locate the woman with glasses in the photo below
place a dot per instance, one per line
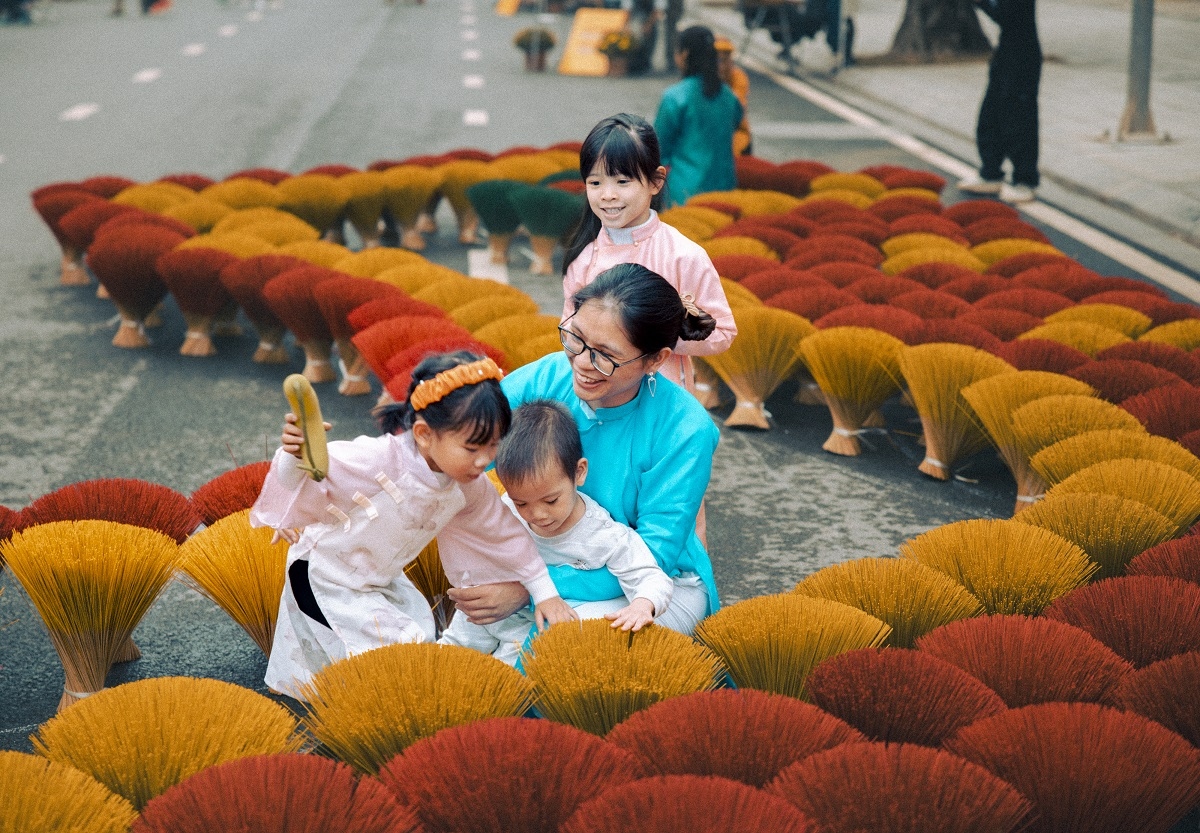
(649, 442)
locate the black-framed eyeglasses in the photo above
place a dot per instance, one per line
(605, 364)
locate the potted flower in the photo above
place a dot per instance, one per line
(617, 45)
(535, 42)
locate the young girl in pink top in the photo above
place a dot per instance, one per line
(619, 162)
(384, 499)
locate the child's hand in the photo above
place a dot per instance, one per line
(553, 611)
(293, 438)
(634, 616)
(289, 535)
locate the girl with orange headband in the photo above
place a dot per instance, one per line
(382, 501)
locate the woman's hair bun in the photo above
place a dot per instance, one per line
(696, 326)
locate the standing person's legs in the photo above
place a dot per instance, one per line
(671, 31)
(990, 130)
(1022, 144)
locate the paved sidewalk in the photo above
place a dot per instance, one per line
(1086, 44)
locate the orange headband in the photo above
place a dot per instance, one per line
(441, 385)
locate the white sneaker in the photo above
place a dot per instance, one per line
(1017, 194)
(978, 185)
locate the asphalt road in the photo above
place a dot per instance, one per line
(212, 88)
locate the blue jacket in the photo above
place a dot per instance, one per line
(695, 137)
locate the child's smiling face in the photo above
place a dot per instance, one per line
(619, 200)
(453, 453)
(548, 500)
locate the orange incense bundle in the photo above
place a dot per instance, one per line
(880, 289)
(1014, 265)
(1000, 228)
(901, 177)
(337, 298)
(1177, 559)
(400, 366)
(281, 793)
(79, 225)
(512, 333)
(52, 203)
(832, 248)
(779, 240)
(1143, 619)
(894, 321)
(812, 302)
(191, 181)
(123, 261)
(900, 695)
(1028, 660)
(379, 342)
(928, 303)
(744, 735)
(901, 788)
(520, 788)
(1004, 324)
(687, 802)
(1039, 302)
(771, 282)
(290, 296)
(244, 192)
(1041, 354)
(970, 211)
(1087, 767)
(390, 306)
(230, 492)
(1165, 693)
(1118, 379)
(1171, 411)
(1159, 310)
(737, 267)
(244, 279)
(193, 277)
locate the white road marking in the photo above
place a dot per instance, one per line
(473, 82)
(148, 75)
(475, 118)
(479, 265)
(254, 16)
(1, 158)
(79, 112)
(227, 31)
(467, 20)
(547, 18)
(193, 50)
(471, 55)
(470, 35)
(1088, 235)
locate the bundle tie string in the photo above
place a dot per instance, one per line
(1030, 498)
(347, 376)
(78, 695)
(846, 432)
(938, 463)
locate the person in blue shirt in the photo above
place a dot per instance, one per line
(696, 120)
(650, 442)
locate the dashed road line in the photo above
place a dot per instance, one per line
(227, 31)
(471, 55)
(473, 82)
(467, 20)
(79, 112)
(193, 50)
(470, 35)
(254, 17)
(475, 118)
(147, 76)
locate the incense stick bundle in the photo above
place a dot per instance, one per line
(509, 334)
(894, 321)
(1010, 567)
(994, 399)
(1184, 334)
(744, 735)
(1057, 462)
(371, 262)
(400, 366)
(241, 570)
(391, 306)
(856, 369)
(123, 261)
(911, 598)
(592, 676)
(244, 279)
(41, 795)
(408, 189)
(975, 286)
(317, 199)
(379, 342)
(318, 252)
(154, 197)
(244, 192)
(1174, 493)
(193, 277)
(1041, 354)
(772, 643)
(1083, 336)
(1163, 692)
(1014, 265)
(91, 582)
(1029, 660)
(1178, 559)
(1167, 411)
(143, 737)
(1048, 419)
(549, 215)
(366, 709)
(1122, 319)
(935, 375)
(1116, 380)
(229, 493)
(290, 297)
(765, 352)
(482, 311)
(337, 298)
(457, 176)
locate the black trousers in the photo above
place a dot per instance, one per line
(1008, 117)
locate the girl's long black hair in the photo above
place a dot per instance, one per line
(482, 407)
(698, 44)
(622, 144)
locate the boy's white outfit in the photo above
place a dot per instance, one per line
(595, 541)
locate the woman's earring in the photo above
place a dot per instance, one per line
(651, 382)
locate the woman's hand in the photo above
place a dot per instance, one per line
(552, 612)
(293, 438)
(489, 603)
(634, 616)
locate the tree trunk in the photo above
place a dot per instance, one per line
(933, 29)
